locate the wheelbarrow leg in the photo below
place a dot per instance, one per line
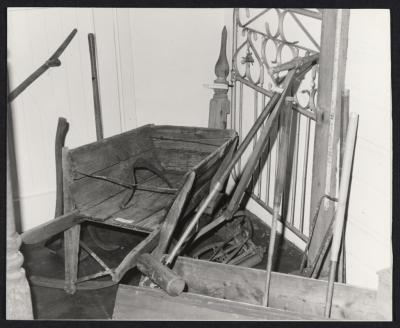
(71, 249)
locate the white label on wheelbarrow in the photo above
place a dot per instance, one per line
(122, 220)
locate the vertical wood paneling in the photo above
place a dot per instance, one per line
(125, 60)
(19, 66)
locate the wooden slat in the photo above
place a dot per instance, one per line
(173, 215)
(179, 161)
(184, 145)
(106, 208)
(332, 67)
(184, 132)
(161, 140)
(288, 292)
(138, 303)
(87, 191)
(71, 254)
(110, 151)
(51, 227)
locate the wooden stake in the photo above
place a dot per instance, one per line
(341, 209)
(95, 85)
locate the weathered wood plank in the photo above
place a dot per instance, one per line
(179, 161)
(184, 132)
(207, 142)
(106, 208)
(138, 303)
(146, 225)
(52, 227)
(332, 67)
(71, 252)
(287, 292)
(186, 145)
(110, 151)
(173, 215)
(87, 191)
(61, 133)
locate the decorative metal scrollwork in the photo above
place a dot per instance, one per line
(265, 38)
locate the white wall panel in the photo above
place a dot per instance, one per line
(368, 237)
(175, 51)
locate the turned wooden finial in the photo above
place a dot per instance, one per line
(222, 65)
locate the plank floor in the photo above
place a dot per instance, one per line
(51, 303)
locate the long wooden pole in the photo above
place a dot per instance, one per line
(341, 209)
(279, 185)
(95, 85)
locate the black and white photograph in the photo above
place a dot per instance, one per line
(199, 164)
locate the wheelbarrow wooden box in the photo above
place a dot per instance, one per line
(132, 180)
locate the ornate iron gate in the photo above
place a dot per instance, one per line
(263, 39)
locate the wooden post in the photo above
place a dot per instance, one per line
(18, 294)
(71, 236)
(332, 66)
(219, 104)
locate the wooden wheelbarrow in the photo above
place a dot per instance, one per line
(143, 180)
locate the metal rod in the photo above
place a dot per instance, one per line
(305, 31)
(308, 113)
(282, 148)
(95, 86)
(94, 255)
(294, 173)
(93, 276)
(286, 224)
(304, 174)
(345, 121)
(53, 61)
(240, 121)
(254, 182)
(341, 209)
(255, 17)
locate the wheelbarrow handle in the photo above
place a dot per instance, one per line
(52, 227)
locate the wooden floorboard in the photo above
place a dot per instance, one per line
(140, 303)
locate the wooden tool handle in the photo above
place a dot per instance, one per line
(95, 86)
(344, 185)
(62, 130)
(52, 227)
(163, 276)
